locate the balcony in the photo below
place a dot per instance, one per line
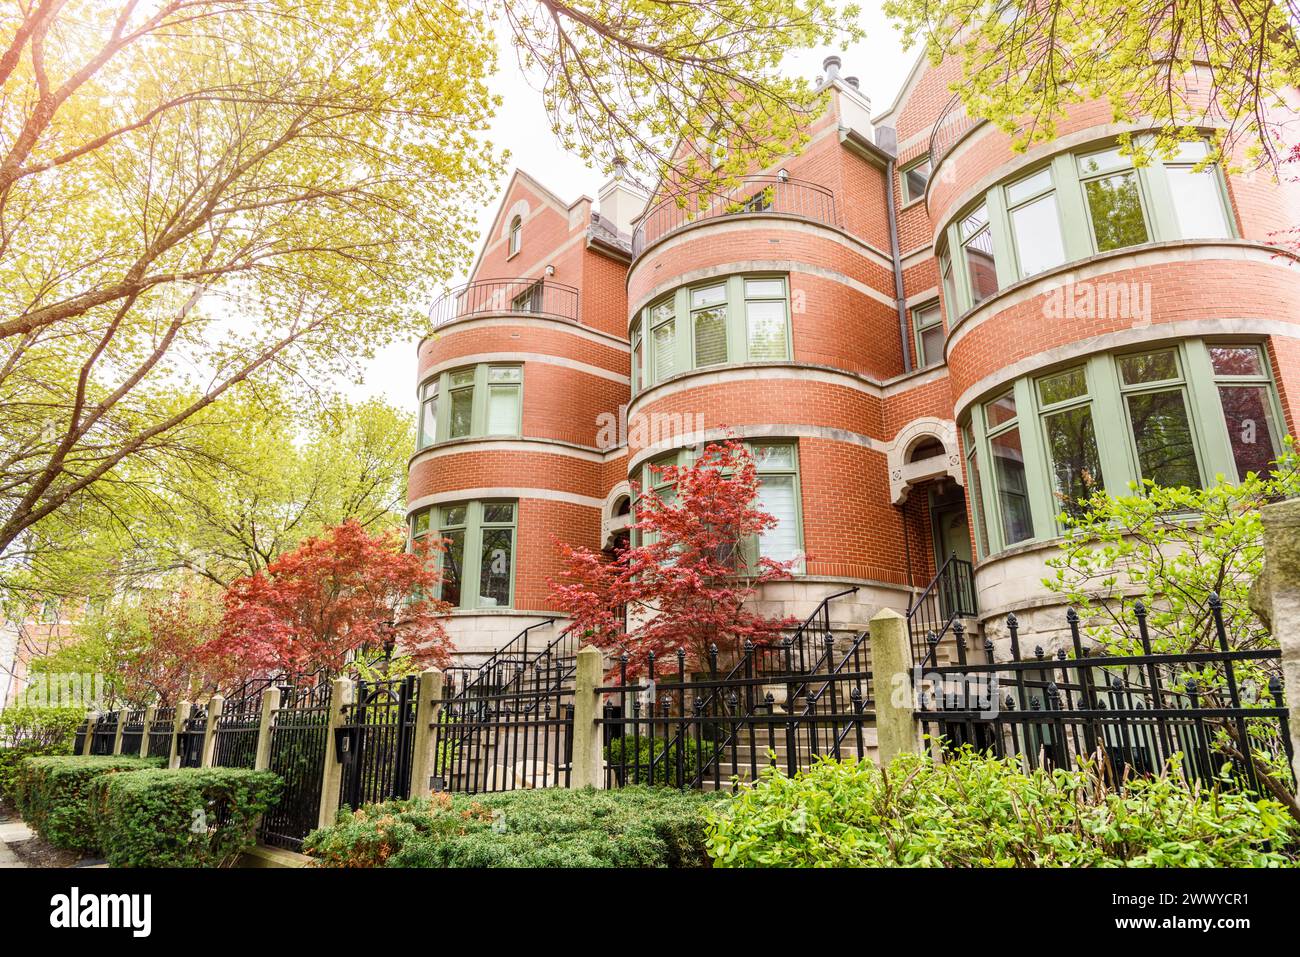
(953, 123)
(754, 194)
(523, 297)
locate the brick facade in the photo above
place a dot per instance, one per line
(847, 396)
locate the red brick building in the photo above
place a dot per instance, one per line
(933, 343)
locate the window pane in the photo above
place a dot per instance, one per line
(463, 377)
(1236, 360)
(663, 351)
(974, 222)
(1037, 229)
(765, 288)
(927, 315)
(1248, 414)
(1148, 367)
(1076, 464)
(915, 180)
(429, 421)
(421, 525)
(453, 563)
(497, 512)
(931, 345)
(1029, 186)
(503, 410)
(505, 374)
(1116, 211)
(710, 337)
(1002, 409)
(776, 497)
(453, 515)
(1100, 162)
(708, 296)
(462, 410)
(1069, 384)
(766, 321)
(661, 312)
(1013, 495)
(1163, 436)
(1192, 152)
(494, 568)
(1197, 202)
(637, 358)
(980, 266)
(773, 456)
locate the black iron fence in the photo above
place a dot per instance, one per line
(103, 735)
(378, 736)
(235, 736)
(79, 739)
(707, 731)
(1213, 708)
(511, 727)
(754, 194)
(132, 731)
(299, 743)
(522, 296)
(189, 739)
(160, 731)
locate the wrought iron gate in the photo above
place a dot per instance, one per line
(378, 742)
(132, 731)
(299, 739)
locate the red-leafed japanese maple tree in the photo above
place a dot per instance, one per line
(333, 596)
(690, 581)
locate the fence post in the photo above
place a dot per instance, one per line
(149, 712)
(428, 706)
(588, 761)
(210, 731)
(340, 697)
(270, 702)
(117, 735)
(1281, 601)
(183, 709)
(891, 671)
(91, 718)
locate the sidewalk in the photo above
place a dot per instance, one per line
(12, 832)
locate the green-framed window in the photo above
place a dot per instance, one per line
(1075, 205)
(740, 318)
(914, 177)
(1179, 413)
(927, 326)
(477, 565)
(474, 401)
(777, 465)
(1034, 218)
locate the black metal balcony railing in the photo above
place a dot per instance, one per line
(953, 123)
(755, 194)
(519, 296)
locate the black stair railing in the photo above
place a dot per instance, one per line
(931, 616)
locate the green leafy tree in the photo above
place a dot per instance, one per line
(1026, 61)
(200, 193)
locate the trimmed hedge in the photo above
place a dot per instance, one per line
(46, 727)
(551, 827)
(192, 817)
(978, 811)
(53, 795)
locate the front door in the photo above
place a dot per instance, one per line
(951, 533)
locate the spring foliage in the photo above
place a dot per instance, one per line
(690, 581)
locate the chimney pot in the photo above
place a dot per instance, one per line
(852, 81)
(829, 62)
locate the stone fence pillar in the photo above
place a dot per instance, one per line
(210, 732)
(428, 708)
(891, 673)
(270, 703)
(588, 760)
(341, 696)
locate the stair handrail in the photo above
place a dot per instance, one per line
(506, 653)
(925, 646)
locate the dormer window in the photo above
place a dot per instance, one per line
(516, 234)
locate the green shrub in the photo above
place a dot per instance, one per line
(630, 759)
(46, 727)
(976, 811)
(11, 760)
(193, 817)
(53, 795)
(552, 827)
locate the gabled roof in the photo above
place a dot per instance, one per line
(549, 197)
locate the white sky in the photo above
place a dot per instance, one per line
(521, 127)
